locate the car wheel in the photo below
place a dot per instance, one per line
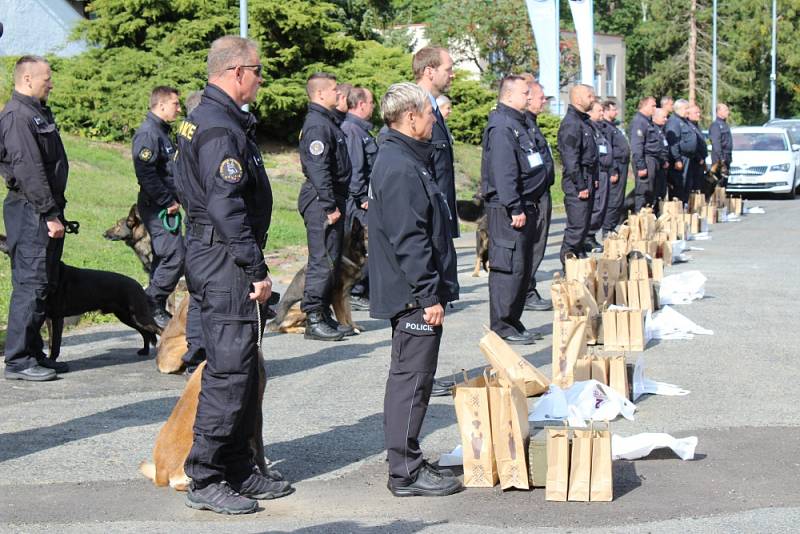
(792, 194)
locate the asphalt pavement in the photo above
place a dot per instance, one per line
(69, 449)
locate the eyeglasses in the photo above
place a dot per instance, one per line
(256, 68)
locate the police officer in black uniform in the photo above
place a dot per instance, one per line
(362, 149)
(35, 168)
(682, 150)
(721, 139)
(661, 147)
(153, 153)
(227, 195)
(605, 161)
(413, 276)
(646, 145)
(579, 157)
(544, 206)
(697, 163)
(322, 199)
(513, 177)
(619, 176)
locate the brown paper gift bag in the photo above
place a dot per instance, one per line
(602, 477)
(583, 369)
(557, 482)
(637, 268)
(645, 293)
(584, 270)
(610, 330)
(609, 272)
(635, 330)
(511, 367)
(633, 294)
(471, 401)
(618, 375)
(569, 344)
(614, 247)
(657, 269)
(559, 292)
(510, 431)
(582, 303)
(621, 294)
(600, 369)
(580, 466)
(623, 330)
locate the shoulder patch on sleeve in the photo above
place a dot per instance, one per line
(230, 170)
(316, 148)
(145, 154)
(639, 133)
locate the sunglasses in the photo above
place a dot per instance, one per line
(256, 68)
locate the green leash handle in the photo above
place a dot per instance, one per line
(165, 220)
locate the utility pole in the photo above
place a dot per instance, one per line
(773, 76)
(714, 63)
(243, 29)
(692, 51)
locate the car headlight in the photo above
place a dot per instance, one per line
(783, 167)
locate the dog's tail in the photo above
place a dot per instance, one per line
(148, 469)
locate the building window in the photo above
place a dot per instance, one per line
(598, 84)
(611, 75)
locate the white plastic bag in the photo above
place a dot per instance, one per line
(456, 457)
(682, 288)
(667, 323)
(640, 445)
(586, 400)
(702, 236)
(754, 209)
(645, 386)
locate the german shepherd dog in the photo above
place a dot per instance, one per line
(174, 441)
(288, 316)
(132, 231)
(80, 291)
(475, 211)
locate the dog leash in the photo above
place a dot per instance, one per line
(165, 218)
(71, 227)
(260, 328)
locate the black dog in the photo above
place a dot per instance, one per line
(3, 245)
(475, 211)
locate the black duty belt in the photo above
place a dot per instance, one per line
(205, 233)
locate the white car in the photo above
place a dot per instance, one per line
(764, 161)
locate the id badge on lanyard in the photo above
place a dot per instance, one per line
(535, 160)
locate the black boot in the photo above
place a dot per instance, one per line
(258, 486)
(336, 325)
(536, 303)
(359, 303)
(428, 482)
(317, 328)
(159, 311)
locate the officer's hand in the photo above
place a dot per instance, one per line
(583, 195)
(173, 208)
(54, 228)
(365, 205)
(596, 185)
(678, 165)
(334, 216)
(261, 290)
(666, 165)
(518, 221)
(614, 178)
(641, 173)
(433, 315)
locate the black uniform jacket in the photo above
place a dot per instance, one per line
(412, 261)
(681, 138)
(541, 146)
(605, 152)
(513, 171)
(443, 169)
(576, 144)
(32, 157)
(221, 181)
(153, 153)
(647, 140)
(721, 141)
(323, 155)
(362, 149)
(620, 149)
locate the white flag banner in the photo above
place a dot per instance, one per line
(583, 17)
(544, 21)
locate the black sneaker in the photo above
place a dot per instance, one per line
(536, 303)
(220, 498)
(34, 373)
(258, 486)
(58, 367)
(442, 388)
(427, 483)
(359, 303)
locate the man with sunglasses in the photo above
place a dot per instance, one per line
(222, 185)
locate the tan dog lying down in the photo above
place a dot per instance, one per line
(175, 438)
(172, 345)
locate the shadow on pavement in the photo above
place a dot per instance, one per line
(334, 352)
(25, 442)
(397, 526)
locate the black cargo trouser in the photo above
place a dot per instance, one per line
(616, 204)
(35, 267)
(510, 262)
(168, 254)
(544, 212)
(600, 203)
(644, 192)
(227, 410)
(579, 212)
(415, 354)
(195, 353)
(324, 252)
(361, 287)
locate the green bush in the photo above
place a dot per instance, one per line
(472, 102)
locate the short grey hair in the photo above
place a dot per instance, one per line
(229, 51)
(680, 106)
(442, 100)
(192, 101)
(401, 98)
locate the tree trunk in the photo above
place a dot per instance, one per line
(692, 51)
